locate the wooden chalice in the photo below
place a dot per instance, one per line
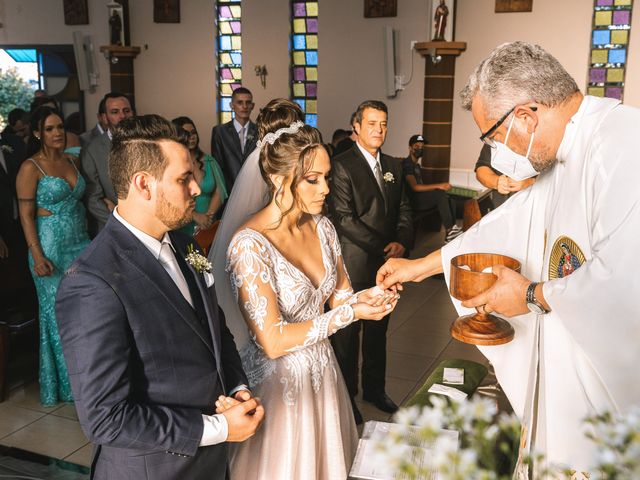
(478, 328)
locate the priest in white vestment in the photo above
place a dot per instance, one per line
(575, 307)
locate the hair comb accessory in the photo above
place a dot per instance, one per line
(271, 137)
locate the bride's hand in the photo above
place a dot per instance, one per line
(376, 297)
(364, 311)
(225, 403)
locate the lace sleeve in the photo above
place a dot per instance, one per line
(343, 293)
(253, 285)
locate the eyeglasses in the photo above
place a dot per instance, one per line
(484, 138)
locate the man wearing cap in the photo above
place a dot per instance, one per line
(424, 197)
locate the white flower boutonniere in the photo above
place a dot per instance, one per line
(388, 177)
(7, 148)
(198, 261)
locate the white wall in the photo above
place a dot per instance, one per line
(176, 74)
(265, 41)
(352, 67)
(175, 71)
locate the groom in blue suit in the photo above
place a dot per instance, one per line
(146, 345)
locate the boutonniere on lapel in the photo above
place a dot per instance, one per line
(7, 148)
(388, 177)
(198, 261)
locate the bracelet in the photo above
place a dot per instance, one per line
(33, 244)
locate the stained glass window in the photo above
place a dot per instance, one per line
(229, 50)
(304, 58)
(609, 47)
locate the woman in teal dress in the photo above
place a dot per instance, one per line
(208, 174)
(50, 190)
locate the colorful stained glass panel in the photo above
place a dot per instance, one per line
(597, 75)
(619, 37)
(601, 37)
(299, 58)
(299, 9)
(312, 42)
(229, 54)
(299, 42)
(298, 74)
(614, 92)
(617, 56)
(596, 91)
(599, 56)
(615, 75)
(312, 74)
(298, 90)
(312, 25)
(610, 36)
(304, 58)
(603, 17)
(299, 25)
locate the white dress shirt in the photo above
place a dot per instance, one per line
(371, 160)
(216, 429)
(242, 132)
(373, 163)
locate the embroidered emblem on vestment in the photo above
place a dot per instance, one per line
(566, 257)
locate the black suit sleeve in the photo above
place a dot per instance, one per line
(404, 230)
(233, 373)
(346, 219)
(213, 145)
(97, 343)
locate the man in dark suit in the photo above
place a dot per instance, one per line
(232, 142)
(146, 345)
(370, 210)
(100, 196)
(99, 128)
(14, 272)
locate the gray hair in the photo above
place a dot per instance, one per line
(517, 73)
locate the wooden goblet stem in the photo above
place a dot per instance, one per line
(467, 281)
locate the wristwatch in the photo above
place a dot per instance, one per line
(533, 304)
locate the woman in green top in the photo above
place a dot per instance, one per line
(208, 174)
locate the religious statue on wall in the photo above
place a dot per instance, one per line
(116, 23)
(115, 27)
(440, 21)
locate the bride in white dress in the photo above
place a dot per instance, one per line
(284, 265)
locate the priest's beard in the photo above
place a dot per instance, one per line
(542, 161)
(171, 215)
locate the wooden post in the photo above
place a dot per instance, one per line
(440, 63)
(121, 68)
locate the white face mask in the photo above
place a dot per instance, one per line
(510, 163)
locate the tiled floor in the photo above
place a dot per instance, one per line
(418, 339)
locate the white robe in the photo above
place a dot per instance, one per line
(582, 357)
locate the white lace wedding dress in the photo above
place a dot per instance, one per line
(309, 431)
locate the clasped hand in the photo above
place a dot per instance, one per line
(243, 413)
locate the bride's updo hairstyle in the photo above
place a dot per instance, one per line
(291, 154)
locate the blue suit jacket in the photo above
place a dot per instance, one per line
(143, 364)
